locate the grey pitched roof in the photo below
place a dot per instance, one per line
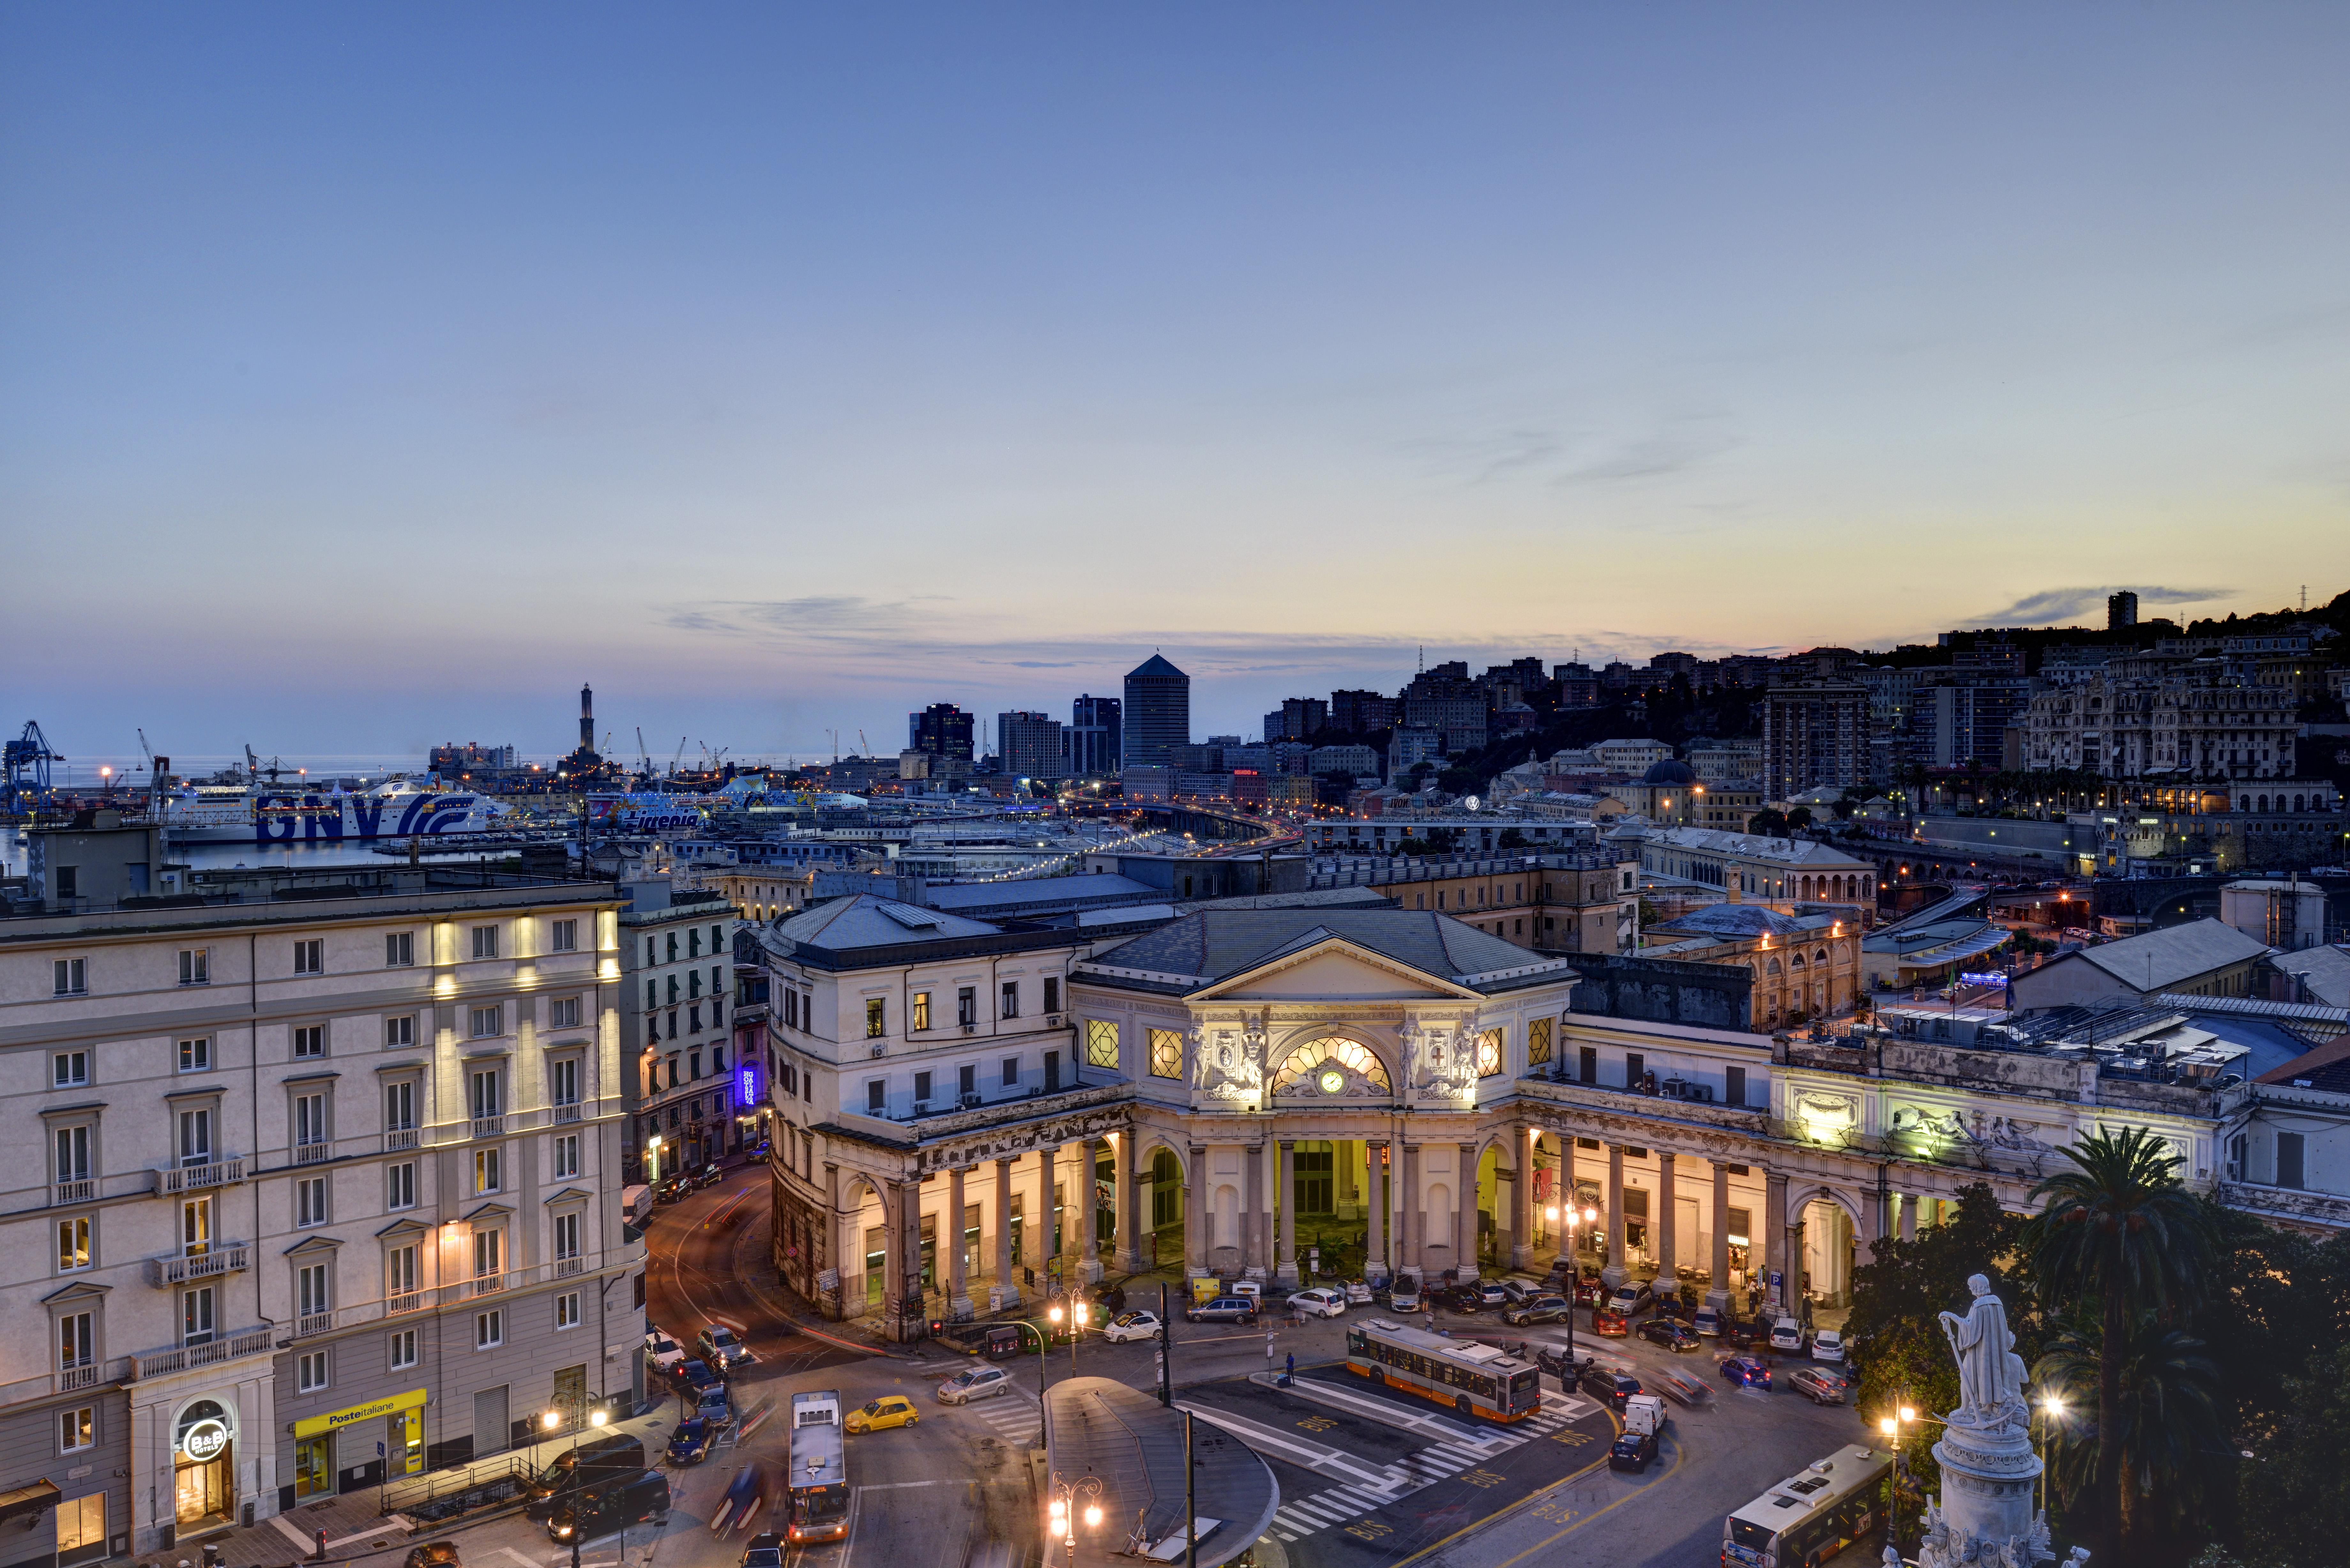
(1216, 944)
(1741, 920)
(2324, 971)
(1156, 665)
(1040, 890)
(2161, 958)
(866, 921)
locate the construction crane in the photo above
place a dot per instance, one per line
(719, 755)
(644, 755)
(679, 758)
(864, 746)
(27, 759)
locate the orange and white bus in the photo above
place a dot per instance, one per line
(1474, 1379)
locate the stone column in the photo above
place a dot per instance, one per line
(1464, 1214)
(1089, 1267)
(1375, 1214)
(958, 1286)
(835, 1247)
(1614, 1274)
(1522, 1196)
(1414, 1231)
(1003, 1279)
(1252, 1237)
(1196, 1235)
(905, 1293)
(1907, 1203)
(1775, 1238)
(1130, 1175)
(1666, 1239)
(1286, 1197)
(1717, 1296)
(1046, 1246)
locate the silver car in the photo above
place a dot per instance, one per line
(974, 1383)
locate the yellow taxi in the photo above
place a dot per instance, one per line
(895, 1410)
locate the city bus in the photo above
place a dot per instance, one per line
(1812, 1515)
(818, 1483)
(1474, 1379)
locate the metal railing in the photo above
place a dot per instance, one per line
(235, 1346)
(220, 1258)
(176, 1179)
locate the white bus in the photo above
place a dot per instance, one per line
(818, 1482)
(1812, 1515)
(1474, 1379)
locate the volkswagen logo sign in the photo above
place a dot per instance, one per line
(204, 1441)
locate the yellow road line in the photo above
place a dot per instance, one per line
(1529, 1497)
(1570, 1529)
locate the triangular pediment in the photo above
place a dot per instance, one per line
(1332, 969)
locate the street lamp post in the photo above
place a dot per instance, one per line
(1891, 1427)
(1067, 1504)
(1574, 1273)
(578, 1528)
(653, 1147)
(2051, 1409)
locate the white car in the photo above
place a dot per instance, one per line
(1129, 1325)
(1787, 1335)
(1828, 1345)
(1319, 1301)
(974, 1383)
(663, 1353)
(1358, 1294)
(1403, 1296)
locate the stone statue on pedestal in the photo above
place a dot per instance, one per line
(1984, 1518)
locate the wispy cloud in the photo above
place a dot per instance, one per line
(1684, 444)
(2052, 605)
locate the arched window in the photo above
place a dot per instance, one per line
(1317, 1065)
(1795, 961)
(1821, 955)
(1773, 968)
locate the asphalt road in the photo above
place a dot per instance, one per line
(1363, 1485)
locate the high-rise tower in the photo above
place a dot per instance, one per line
(1158, 714)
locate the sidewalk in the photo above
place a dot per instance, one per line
(354, 1529)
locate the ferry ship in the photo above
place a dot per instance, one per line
(269, 813)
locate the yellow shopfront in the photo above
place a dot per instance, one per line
(392, 1429)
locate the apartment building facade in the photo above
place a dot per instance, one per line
(677, 980)
(311, 1170)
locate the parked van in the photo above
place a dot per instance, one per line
(588, 1463)
(602, 1507)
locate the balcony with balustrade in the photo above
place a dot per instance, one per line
(218, 1259)
(170, 1180)
(227, 1347)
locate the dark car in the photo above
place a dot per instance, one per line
(1224, 1309)
(1670, 1333)
(1819, 1386)
(597, 1510)
(690, 1444)
(693, 1378)
(1537, 1309)
(435, 1555)
(1556, 1364)
(1632, 1451)
(711, 1175)
(1605, 1382)
(1463, 1299)
(582, 1464)
(1743, 1335)
(1746, 1371)
(672, 1188)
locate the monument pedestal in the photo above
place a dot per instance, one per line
(1985, 1515)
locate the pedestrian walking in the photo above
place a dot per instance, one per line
(1289, 1371)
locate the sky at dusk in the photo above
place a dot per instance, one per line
(372, 376)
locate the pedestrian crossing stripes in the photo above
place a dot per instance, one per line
(1016, 1420)
(1338, 1506)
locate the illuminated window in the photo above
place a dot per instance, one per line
(1101, 1042)
(1488, 1053)
(1303, 1067)
(1537, 1041)
(1166, 1053)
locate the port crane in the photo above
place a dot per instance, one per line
(643, 755)
(679, 758)
(27, 759)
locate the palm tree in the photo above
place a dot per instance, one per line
(2119, 1231)
(2166, 1413)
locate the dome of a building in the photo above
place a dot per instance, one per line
(1669, 771)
